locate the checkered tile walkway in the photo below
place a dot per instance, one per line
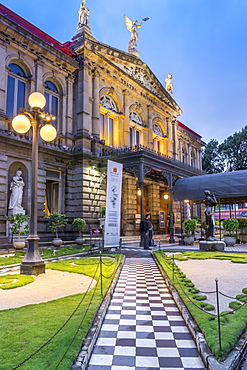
(143, 328)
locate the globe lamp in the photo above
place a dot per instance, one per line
(37, 100)
(48, 132)
(21, 124)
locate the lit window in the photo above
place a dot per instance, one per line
(52, 99)
(16, 90)
(53, 179)
(134, 137)
(136, 118)
(158, 136)
(108, 121)
(108, 103)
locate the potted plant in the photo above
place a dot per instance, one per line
(56, 221)
(242, 224)
(190, 227)
(230, 225)
(79, 224)
(102, 216)
(19, 226)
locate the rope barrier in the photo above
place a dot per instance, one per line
(81, 322)
(64, 324)
(164, 258)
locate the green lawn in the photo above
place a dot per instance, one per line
(45, 253)
(232, 325)
(24, 330)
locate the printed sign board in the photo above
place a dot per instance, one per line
(113, 203)
(97, 231)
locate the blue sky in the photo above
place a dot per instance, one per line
(202, 43)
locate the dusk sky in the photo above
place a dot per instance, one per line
(202, 43)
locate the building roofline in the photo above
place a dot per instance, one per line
(9, 14)
(186, 128)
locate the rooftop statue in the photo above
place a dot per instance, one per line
(133, 28)
(169, 85)
(83, 15)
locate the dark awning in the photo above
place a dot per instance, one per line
(228, 187)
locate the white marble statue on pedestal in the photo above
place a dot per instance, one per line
(16, 187)
(83, 15)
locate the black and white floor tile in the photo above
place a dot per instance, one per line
(143, 328)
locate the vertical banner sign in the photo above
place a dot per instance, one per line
(113, 203)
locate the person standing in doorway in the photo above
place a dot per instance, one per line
(144, 230)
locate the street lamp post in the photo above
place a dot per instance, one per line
(32, 263)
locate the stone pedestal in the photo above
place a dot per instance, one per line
(35, 268)
(214, 245)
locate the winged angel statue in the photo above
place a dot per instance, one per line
(133, 28)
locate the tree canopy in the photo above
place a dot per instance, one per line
(231, 155)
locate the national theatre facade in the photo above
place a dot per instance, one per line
(108, 105)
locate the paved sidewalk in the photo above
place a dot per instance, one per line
(143, 328)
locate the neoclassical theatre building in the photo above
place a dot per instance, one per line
(108, 105)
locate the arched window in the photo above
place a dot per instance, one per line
(183, 155)
(136, 136)
(157, 130)
(136, 118)
(52, 99)
(108, 103)
(193, 159)
(16, 90)
(109, 121)
(158, 138)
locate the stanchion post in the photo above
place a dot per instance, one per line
(159, 243)
(101, 282)
(218, 311)
(173, 268)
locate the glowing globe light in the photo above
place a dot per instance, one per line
(48, 132)
(37, 100)
(21, 124)
(166, 196)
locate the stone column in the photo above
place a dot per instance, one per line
(95, 105)
(175, 139)
(141, 186)
(171, 229)
(170, 137)
(84, 122)
(69, 106)
(3, 76)
(39, 83)
(129, 204)
(153, 195)
(126, 118)
(150, 142)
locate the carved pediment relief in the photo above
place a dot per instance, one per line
(139, 75)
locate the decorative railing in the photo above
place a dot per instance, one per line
(109, 151)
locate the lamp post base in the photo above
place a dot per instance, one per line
(36, 268)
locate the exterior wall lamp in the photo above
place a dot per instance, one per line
(32, 263)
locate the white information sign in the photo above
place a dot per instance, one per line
(113, 203)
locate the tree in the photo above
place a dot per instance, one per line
(211, 162)
(233, 151)
(231, 155)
